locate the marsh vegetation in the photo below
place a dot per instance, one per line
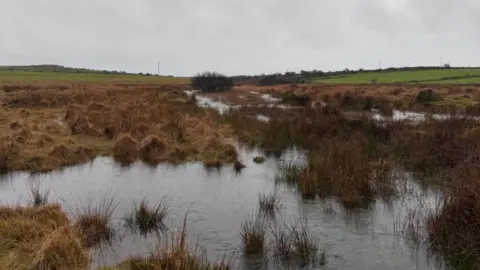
(351, 164)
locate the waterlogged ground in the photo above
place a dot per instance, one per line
(219, 201)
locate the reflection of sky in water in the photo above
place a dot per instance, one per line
(218, 201)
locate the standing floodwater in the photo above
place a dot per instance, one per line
(219, 201)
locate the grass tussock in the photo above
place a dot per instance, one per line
(253, 235)
(125, 149)
(39, 238)
(175, 253)
(146, 218)
(93, 221)
(151, 149)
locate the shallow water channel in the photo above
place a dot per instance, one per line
(219, 201)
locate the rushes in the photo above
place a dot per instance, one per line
(147, 218)
(38, 196)
(296, 243)
(268, 202)
(253, 235)
(92, 220)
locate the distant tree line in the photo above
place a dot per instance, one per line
(212, 82)
(304, 75)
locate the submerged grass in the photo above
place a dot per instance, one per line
(38, 196)
(295, 243)
(147, 218)
(269, 203)
(454, 228)
(93, 220)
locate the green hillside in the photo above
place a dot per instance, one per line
(19, 76)
(443, 76)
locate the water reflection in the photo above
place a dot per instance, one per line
(219, 201)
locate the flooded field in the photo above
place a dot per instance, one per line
(219, 201)
(264, 184)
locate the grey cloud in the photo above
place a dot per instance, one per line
(238, 37)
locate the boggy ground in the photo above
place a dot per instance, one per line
(46, 127)
(354, 160)
(350, 160)
(384, 97)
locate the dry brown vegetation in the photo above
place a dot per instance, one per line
(351, 160)
(49, 128)
(39, 238)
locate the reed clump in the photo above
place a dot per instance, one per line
(146, 217)
(269, 202)
(93, 221)
(342, 169)
(253, 235)
(294, 242)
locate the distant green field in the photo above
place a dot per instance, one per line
(442, 76)
(28, 76)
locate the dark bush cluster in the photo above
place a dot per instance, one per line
(278, 79)
(212, 82)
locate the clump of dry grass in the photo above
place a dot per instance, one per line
(125, 149)
(39, 238)
(152, 149)
(147, 218)
(253, 235)
(175, 253)
(93, 220)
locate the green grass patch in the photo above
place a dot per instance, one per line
(442, 76)
(18, 76)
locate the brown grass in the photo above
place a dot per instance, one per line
(125, 149)
(343, 170)
(152, 149)
(93, 220)
(253, 235)
(454, 229)
(91, 120)
(39, 238)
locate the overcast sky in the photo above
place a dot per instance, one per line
(239, 36)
